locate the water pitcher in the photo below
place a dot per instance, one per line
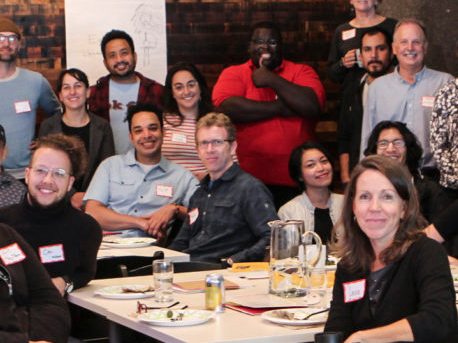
(288, 261)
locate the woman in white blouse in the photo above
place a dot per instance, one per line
(311, 168)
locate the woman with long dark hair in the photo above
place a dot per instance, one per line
(392, 282)
(186, 99)
(311, 168)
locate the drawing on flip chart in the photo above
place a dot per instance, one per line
(87, 21)
(148, 24)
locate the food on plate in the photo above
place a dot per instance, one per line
(137, 289)
(175, 315)
(290, 315)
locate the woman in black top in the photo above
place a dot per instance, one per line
(95, 132)
(392, 282)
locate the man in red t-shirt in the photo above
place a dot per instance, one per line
(275, 104)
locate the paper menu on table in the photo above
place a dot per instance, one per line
(251, 270)
(264, 300)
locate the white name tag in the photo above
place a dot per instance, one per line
(164, 191)
(51, 253)
(348, 34)
(427, 101)
(178, 137)
(193, 215)
(354, 290)
(22, 106)
(12, 254)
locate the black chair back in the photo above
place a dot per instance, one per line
(194, 266)
(120, 266)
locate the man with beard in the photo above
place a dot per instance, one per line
(376, 56)
(65, 239)
(140, 192)
(406, 95)
(275, 105)
(21, 92)
(113, 94)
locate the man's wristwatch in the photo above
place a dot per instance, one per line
(68, 287)
(68, 284)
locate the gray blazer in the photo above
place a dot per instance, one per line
(101, 144)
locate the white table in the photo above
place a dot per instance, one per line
(230, 326)
(175, 256)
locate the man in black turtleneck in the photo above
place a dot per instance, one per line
(66, 240)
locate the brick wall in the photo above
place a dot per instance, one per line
(213, 33)
(210, 33)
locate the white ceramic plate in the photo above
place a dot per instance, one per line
(317, 319)
(128, 242)
(116, 292)
(190, 317)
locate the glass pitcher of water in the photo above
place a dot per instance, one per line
(288, 257)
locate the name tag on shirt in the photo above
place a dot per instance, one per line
(348, 34)
(193, 215)
(51, 253)
(164, 191)
(178, 137)
(22, 106)
(12, 254)
(428, 101)
(354, 290)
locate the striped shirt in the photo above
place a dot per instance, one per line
(179, 143)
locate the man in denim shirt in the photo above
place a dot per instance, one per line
(228, 214)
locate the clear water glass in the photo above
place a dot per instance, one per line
(317, 287)
(163, 280)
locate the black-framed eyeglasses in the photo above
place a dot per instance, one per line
(10, 39)
(398, 143)
(143, 308)
(271, 42)
(216, 143)
(57, 173)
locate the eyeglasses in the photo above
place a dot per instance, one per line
(10, 39)
(191, 85)
(57, 173)
(397, 143)
(143, 308)
(271, 42)
(216, 143)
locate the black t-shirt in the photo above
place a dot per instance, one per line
(83, 134)
(80, 132)
(323, 224)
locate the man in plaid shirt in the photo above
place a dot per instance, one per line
(114, 93)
